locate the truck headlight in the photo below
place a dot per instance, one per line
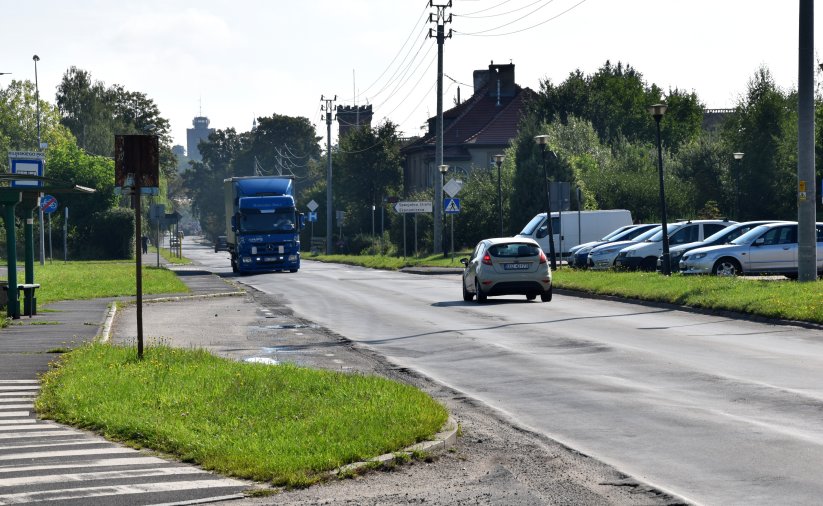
(246, 260)
(293, 258)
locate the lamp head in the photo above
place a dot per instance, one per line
(541, 139)
(738, 156)
(657, 110)
(498, 159)
(443, 169)
(35, 58)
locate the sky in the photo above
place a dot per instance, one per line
(236, 60)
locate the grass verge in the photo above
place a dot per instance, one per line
(91, 280)
(170, 257)
(781, 299)
(285, 424)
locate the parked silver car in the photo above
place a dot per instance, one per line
(767, 249)
(507, 266)
(724, 236)
(603, 257)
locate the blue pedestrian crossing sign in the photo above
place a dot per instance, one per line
(313, 216)
(451, 206)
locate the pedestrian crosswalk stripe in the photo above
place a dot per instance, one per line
(66, 453)
(18, 382)
(9, 414)
(143, 488)
(4, 407)
(23, 395)
(19, 388)
(16, 421)
(52, 444)
(126, 461)
(30, 426)
(100, 475)
(45, 433)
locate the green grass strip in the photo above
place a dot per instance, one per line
(91, 280)
(283, 424)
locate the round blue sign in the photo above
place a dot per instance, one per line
(48, 204)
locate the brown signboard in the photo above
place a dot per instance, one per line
(138, 155)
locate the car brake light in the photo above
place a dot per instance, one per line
(487, 259)
(543, 259)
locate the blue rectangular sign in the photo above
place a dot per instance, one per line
(312, 216)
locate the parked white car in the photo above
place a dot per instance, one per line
(602, 257)
(644, 255)
(767, 249)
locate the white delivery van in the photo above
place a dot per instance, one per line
(571, 228)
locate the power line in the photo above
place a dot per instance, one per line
(512, 22)
(483, 34)
(487, 9)
(497, 15)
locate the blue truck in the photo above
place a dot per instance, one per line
(262, 224)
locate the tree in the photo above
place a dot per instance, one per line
(367, 168)
(765, 129)
(204, 180)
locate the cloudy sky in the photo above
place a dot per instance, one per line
(235, 60)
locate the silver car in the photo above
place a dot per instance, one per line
(603, 257)
(767, 249)
(507, 266)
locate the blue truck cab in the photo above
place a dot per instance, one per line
(262, 224)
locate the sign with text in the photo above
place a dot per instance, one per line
(29, 163)
(413, 207)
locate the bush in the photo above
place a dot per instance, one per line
(110, 238)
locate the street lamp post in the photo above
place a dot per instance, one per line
(657, 111)
(739, 157)
(443, 169)
(498, 160)
(542, 140)
(40, 209)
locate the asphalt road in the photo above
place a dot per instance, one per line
(712, 409)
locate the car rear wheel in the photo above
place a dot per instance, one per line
(467, 296)
(546, 296)
(726, 267)
(481, 297)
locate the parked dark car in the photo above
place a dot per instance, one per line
(220, 244)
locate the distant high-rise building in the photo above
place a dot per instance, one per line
(195, 135)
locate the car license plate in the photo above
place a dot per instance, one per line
(516, 267)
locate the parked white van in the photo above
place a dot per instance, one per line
(571, 228)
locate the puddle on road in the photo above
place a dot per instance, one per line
(262, 360)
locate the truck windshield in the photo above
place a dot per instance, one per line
(278, 221)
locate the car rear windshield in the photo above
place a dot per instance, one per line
(512, 250)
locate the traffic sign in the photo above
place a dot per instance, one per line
(312, 216)
(312, 205)
(26, 162)
(451, 206)
(48, 204)
(413, 207)
(453, 187)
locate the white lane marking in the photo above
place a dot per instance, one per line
(18, 382)
(28, 405)
(7, 414)
(45, 433)
(127, 461)
(16, 421)
(66, 453)
(102, 475)
(145, 488)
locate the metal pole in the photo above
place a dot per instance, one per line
(65, 234)
(499, 197)
(548, 209)
(452, 230)
(51, 251)
(438, 150)
(806, 182)
(138, 224)
(328, 173)
(40, 211)
(667, 268)
(579, 224)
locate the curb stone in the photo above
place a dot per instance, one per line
(442, 441)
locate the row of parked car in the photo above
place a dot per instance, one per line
(719, 247)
